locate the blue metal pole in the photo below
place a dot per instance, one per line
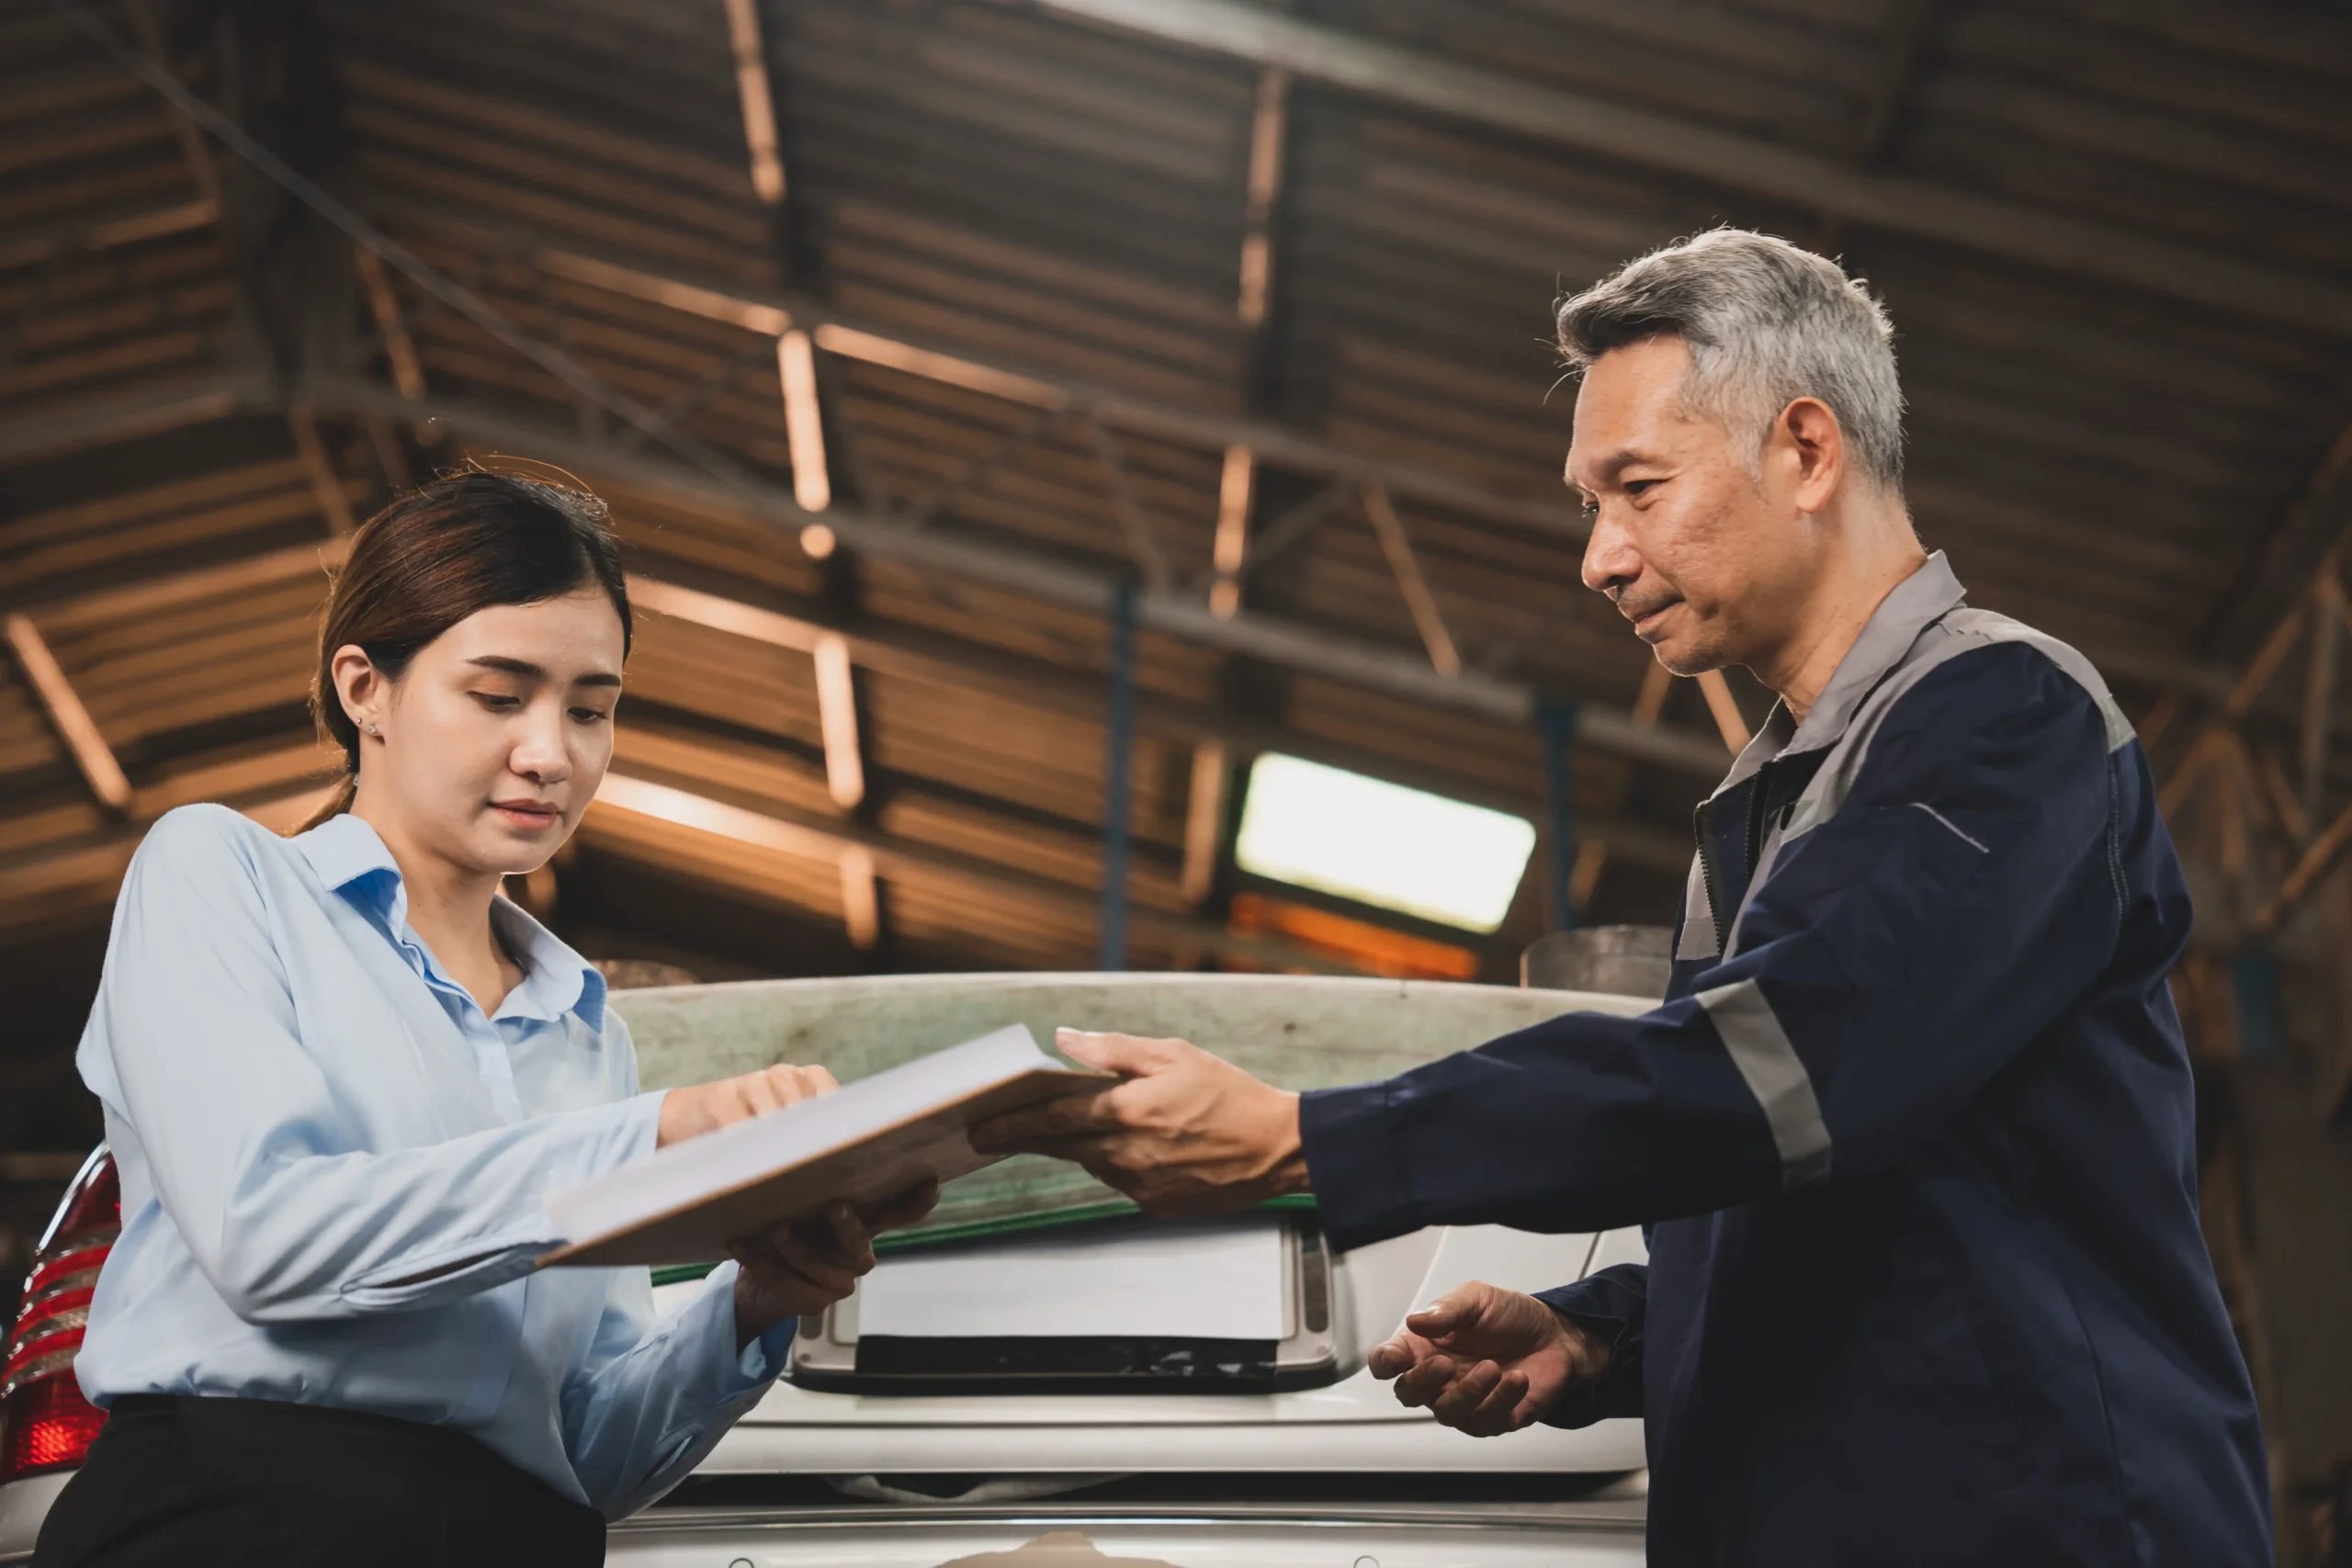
(1557, 720)
(1116, 780)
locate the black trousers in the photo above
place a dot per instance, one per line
(184, 1481)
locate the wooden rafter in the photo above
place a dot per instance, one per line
(837, 720)
(1228, 549)
(64, 705)
(325, 483)
(861, 896)
(804, 422)
(1253, 304)
(392, 325)
(1203, 821)
(2319, 857)
(202, 168)
(1268, 134)
(1143, 544)
(758, 102)
(1406, 567)
(2318, 688)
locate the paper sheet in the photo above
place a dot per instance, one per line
(691, 1171)
(1190, 1279)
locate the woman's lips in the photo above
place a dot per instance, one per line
(527, 817)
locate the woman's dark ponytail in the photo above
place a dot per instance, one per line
(460, 543)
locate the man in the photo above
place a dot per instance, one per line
(1912, 1133)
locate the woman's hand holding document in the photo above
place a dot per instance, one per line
(784, 1172)
(708, 1107)
(800, 1267)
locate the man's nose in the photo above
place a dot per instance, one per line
(1610, 557)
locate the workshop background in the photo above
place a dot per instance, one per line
(1024, 415)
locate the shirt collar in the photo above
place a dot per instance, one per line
(556, 979)
(351, 858)
(345, 847)
(1910, 608)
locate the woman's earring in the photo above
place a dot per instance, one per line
(373, 730)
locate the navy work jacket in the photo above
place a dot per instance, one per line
(1911, 1135)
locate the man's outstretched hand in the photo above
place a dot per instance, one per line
(1185, 1133)
(1487, 1361)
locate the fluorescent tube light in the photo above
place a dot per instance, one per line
(1381, 843)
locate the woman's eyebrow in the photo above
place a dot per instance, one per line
(530, 671)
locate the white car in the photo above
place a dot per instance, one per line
(1036, 1450)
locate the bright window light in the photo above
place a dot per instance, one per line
(1381, 843)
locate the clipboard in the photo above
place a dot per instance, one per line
(866, 1141)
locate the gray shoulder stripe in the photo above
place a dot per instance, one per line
(1985, 628)
(1963, 631)
(1948, 822)
(1759, 1048)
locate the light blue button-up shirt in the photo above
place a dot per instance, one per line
(333, 1169)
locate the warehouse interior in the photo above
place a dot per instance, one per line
(1024, 416)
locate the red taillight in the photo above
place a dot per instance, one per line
(45, 1424)
(49, 1426)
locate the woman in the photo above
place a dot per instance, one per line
(340, 1074)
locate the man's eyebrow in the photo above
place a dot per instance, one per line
(1609, 466)
(530, 671)
(1604, 469)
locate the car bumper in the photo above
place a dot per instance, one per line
(1594, 1534)
(23, 1505)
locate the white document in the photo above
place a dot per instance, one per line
(1188, 1280)
(685, 1172)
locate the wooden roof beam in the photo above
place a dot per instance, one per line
(753, 92)
(2308, 539)
(1411, 583)
(64, 705)
(126, 226)
(1809, 182)
(147, 409)
(326, 484)
(1253, 305)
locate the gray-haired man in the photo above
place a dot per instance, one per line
(1912, 1133)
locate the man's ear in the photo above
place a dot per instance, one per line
(359, 684)
(1812, 439)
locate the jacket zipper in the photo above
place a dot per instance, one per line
(1752, 825)
(1702, 826)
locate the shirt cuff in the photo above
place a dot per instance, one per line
(732, 1373)
(1355, 1162)
(762, 1359)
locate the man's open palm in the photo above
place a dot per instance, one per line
(1486, 1360)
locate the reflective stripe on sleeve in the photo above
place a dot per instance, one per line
(1761, 1050)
